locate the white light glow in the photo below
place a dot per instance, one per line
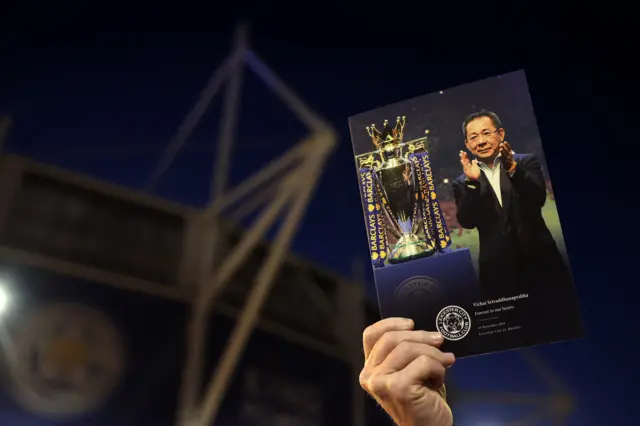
(446, 180)
(4, 298)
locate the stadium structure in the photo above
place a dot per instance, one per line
(128, 309)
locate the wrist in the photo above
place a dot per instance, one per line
(471, 183)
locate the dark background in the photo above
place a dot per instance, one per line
(100, 89)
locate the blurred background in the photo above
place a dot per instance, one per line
(97, 266)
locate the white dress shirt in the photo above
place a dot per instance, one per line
(493, 176)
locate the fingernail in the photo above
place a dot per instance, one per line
(437, 337)
(408, 323)
(450, 357)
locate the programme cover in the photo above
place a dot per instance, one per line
(461, 222)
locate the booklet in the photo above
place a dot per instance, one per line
(462, 226)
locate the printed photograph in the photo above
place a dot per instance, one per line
(461, 220)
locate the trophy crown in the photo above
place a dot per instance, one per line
(389, 135)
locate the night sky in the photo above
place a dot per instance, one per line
(101, 92)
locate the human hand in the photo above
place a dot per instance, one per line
(506, 156)
(403, 371)
(470, 168)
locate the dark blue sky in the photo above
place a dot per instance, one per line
(107, 95)
(102, 93)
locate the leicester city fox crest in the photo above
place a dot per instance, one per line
(69, 360)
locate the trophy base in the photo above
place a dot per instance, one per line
(410, 247)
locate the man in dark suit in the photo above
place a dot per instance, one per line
(501, 194)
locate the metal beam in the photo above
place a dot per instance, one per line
(223, 273)
(251, 205)
(229, 117)
(211, 241)
(301, 167)
(297, 106)
(88, 273)
(178, 141)
(213, 285)
(281, 331)
(309, 174)
(260, 178)
(316, 296)
(249, 241)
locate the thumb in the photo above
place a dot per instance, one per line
(474, 162)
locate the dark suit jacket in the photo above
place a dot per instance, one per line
(513, 238)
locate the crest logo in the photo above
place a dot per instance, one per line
(69, 360)
(418, 288)
(453, 322)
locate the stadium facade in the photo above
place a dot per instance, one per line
(69, 241)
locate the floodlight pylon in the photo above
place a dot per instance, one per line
(291, 180)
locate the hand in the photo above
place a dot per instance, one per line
(470, 168)
(403, 370)
(506, 156)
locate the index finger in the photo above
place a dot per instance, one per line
(464, 159)
(374, 332)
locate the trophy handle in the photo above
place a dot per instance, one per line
(370, 162)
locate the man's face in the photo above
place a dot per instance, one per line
(483, 139)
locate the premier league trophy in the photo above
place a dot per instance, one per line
(399, 196)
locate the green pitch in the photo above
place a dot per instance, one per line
(469, 238)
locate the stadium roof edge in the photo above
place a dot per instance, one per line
(155, 202)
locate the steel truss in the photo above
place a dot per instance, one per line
(298, 171)
(286, 186)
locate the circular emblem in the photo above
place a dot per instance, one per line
(419, 287)
(453, 322)
(69, 360)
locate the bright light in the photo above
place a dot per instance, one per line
(4, 298)
(446, 180)
(441, 92)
